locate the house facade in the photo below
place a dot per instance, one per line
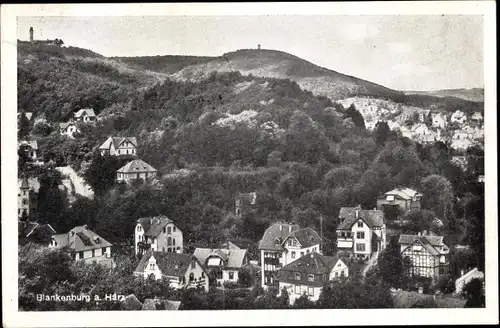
(222, 264)
(439, 120)
(401, 199)
(182, 270)
(477, 117)
(159, 233)
(30, 149)
(134, 170)
(85, 115)
(281, 244)
(68, 129)
(308, 274)
(426, 256)
(458, 117)
(84, 244)
(244, 202)
(360, 233)
(119, 146)
(27, 202)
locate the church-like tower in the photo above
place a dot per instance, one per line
(31, 34)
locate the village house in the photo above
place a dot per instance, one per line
(281, 244)
(405, 132)
(424, 116)
(245, 202)
(308, 274)
(29, 231)
(134, 170)
(68, 129)
(182, 270)
(158, 233)
(477, 117)
(360, 232)
(393, 125)
(28, 116)
(439, 120)
(460, 161)
(420, 129)
(427, 256)
(29, 148)
(222, 264)
(461, 144)
(465, 278)
(401, 200)
(84, 244)
(85, 115)
(119, 146)
(27, 202)
(458, 117)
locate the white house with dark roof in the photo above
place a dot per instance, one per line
(85, 115)
(84, 244)
(282, 244)
(223, 264)
(136, 169)
(360, 232)
(68, 129)
(427, 256)
(119, 146)
(182, 270)
(158, 233)
(309, 273)
(27, 200)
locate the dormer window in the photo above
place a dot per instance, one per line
(390, 198)
(276, 241)
(297, 276)
(360, 224)
(139, 227)
(310, 278)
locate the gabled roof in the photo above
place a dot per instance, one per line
(306, 237)
(404, 193)
(26, 183)
(229, 245)
(170, 264)
(29, 228)
(64, 125)
(373, 218)
(131, 303)
(433, 240)
(32, 143)
(81, 239)
(311, 263)
(152, 226)
(117, 141)
(137, 165)
(86, 111)
(275, 235)
(233, 258)
(150, 304)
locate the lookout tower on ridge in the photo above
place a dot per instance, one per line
(31, 34)
(258, 47)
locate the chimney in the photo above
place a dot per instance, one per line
(290, 228)
(281, 227)
(151, 221)
(357, 213)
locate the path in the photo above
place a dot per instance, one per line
(78, 182)
(371, 262)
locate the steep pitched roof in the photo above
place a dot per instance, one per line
(404, 193)
(130, 302)
(306, 237)
(86, 111)
(433, 240)
(30, 143)
(137, 165)
(117, 141)
(152, 226)
(373, 218)
(275, 235)
(170, 264)
(29, 228)
(31, 183)
(150, 304)
(81, 239)
(312, 263)
(233, 258)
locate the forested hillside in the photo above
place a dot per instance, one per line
(163, 64)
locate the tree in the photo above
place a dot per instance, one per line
(390, 265)
(303, 302)
(356, 116)
(23, 126)
(52, 201)
(473, 292)
(382, 132)
(101, 173)
(437, 194)
(420, 220)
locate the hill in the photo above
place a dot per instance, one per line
(278, 64)
(163, 64)
(474, 94)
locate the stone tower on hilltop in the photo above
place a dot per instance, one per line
(31, 34)
(258, 46)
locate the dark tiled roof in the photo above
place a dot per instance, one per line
(131, 303)
(81, 239)
(307, 237)
(158, 223)
(276, 232)
(312, 263)
(373, 218)
(433, 240)
(170, 264)
(233, 258)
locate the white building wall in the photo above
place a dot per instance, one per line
(296, 291)
(288, 256)
(367, 240)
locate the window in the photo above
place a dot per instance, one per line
(169, 230)
(307, 251)
(441, 270)
(310, 291)
(24, 192)
(442, 259)
(164, 230)
(193, 264)
(390, 198)
(139, 228)
(336, 274)
(169, 241)
(219, 274)
(151, 266)
(163, 249)
(203, 274)
(93, 253)
(297, 275)
(25, 202)
(103, 250)
(342, 273)
(80, 254)
(293, 255)
(310, 277)
(301, 254)
(360, 224)
(191, 276)
(175, 229)
(173, 241)
(294, 242)
(360, 235)
(360, 247)
(297, 289)
(231, 275)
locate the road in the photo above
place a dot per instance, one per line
(78, 182)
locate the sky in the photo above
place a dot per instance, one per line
(399, 52)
